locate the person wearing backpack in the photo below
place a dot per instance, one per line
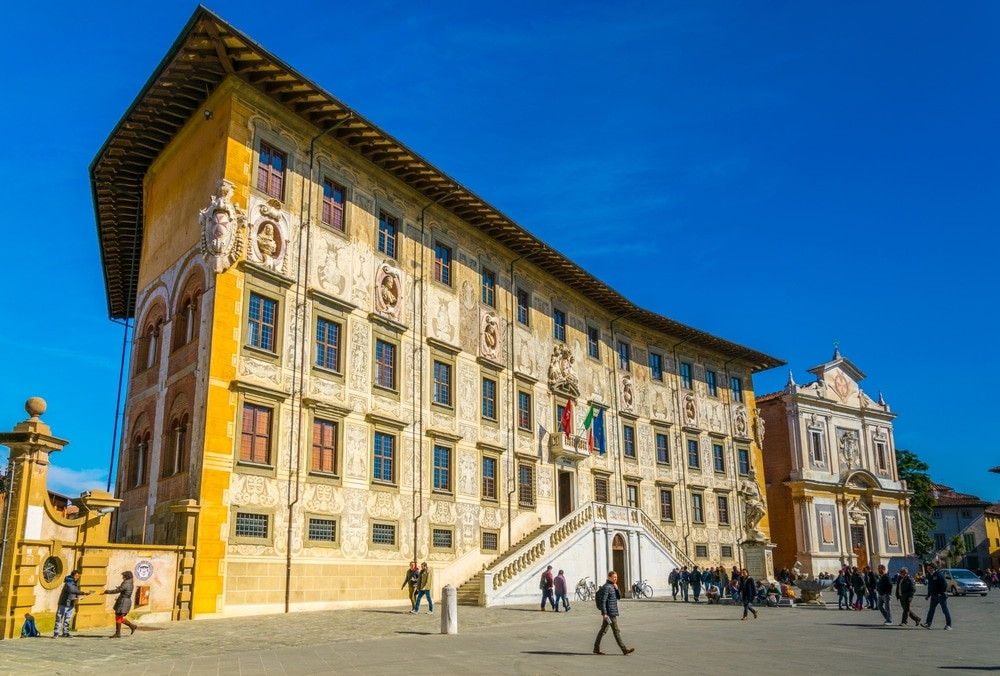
(607, 603)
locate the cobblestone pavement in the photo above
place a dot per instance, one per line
(676, 637)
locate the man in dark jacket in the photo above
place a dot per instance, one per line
(67, 603)
(748, 592)
(607, 602)
(905, 590)
(884, 588)
(547, 584)
(937, 592)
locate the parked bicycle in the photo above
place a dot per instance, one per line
(586, 590)
(642, 590)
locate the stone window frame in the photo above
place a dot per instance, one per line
(263, 397)
(816, 440)
(529, 428)
(257, 510)
(397, 237)
(277, 143)
(700, 495)
(328, 175)
(623, 355)
(495, 456)
(442, 529)
(687, 448)
(444, 263)
(532, 467)
(685, 370)
(329, 413)
(666, 490)
(372, 544)
(723, 505)
(718, 458)
(522, 311)
(657, 373)
(557, 328)
(262, 282)
(482, 539)
(881, 442)
(743, 452)
(445, 445)
(711, 383)
(485, 290)
(701, 550)
(385, 335)
(633, 485)
(592, 343)
(333, 310)
(325, 544)
(628, 430)
(723, 549)
(605, 477)
(493, 378)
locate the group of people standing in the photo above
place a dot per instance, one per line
(66, 607)
(858, 589)
(554, 590)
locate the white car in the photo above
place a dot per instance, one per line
(963, 581)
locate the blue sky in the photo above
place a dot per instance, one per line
(781, 174)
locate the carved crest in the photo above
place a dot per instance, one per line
(221, 225)
(850, 451)
(627, 392)
(740, 424)
(388, 292)
(268, 235)
(562, 372)
(490, 339)
(690, 410)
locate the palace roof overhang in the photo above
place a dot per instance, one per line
(208, 51)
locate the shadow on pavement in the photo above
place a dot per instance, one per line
(418, 633)
(554, 652)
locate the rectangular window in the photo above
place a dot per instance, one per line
(322, 530)
(723, 507)
(624, 356)
(442, 264)
(710, 383)
(816, 445)
(727, 551)
(666, 505)
(559, 325)
(261, 318)
(383, 534)
(488, 290)
(693, 460)
(701, 551)
(718, 459)
(491, 541)
(936, 514)
(524, 411)
(736, 385)
(384, 458)
(489, 478)
(880, 456)
(250, 525)
(697, 508)
(489, 399)
(387, 234)
(970, 542)
(601, 488)
(632, 495)
(939, 541)
(662, 449)
(686, 375)
(523, 307)
(328, 344)
(441, 538)
(743, 456)
(385, 364)
(655, 366)
(333, 205)
(525, 485)
(628, 439)
(442, 469)
(255, 442)
(594, 342)
(271, 171)
(442, 383)
(324, 446)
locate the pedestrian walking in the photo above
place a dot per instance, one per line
(559, 586)
(123, 604)
(937, 592)
(547, 584)
(411, 579)
(748, 592)
(883, 586)
(607, 603)
(905, 590)
(696, 583)
(424, 589)
(66, 605)
(675, 581)
(685, 582)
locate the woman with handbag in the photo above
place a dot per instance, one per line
(123, 604)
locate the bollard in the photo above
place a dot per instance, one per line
(449, 610)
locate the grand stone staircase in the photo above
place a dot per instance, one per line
(471, 592)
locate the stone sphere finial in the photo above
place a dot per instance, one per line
(35, 406)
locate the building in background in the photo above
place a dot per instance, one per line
(347, 360)
(833, 490)
(965, 516)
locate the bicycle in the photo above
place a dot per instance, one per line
(586, 590)
(642, 590)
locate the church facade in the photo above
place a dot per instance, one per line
(834, 493)
(343, 360)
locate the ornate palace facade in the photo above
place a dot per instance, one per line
(344, 360)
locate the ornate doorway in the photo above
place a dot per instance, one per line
(859, 545)
(618, 561)
(565, 494)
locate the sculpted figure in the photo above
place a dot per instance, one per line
(753, 506)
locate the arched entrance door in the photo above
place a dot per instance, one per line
(618, 559)
(859, 544)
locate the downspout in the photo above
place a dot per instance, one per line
(512, 400)
(417, 376)
(686, 529)
(614, 400)
(8, 493)
(740, 521)
(298, 363)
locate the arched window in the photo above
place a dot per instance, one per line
(139, 460)
(175, 451)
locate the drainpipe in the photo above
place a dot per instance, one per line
(417, 376)
(734, 472)
(298, 362)
(512, 400)
(614, 400)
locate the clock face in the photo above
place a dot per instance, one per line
(51, 568)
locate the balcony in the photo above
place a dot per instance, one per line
(572, 447)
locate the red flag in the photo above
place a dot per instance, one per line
(567, 418)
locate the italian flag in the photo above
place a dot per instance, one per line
(588, 424)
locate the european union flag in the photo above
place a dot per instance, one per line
(599, 442)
